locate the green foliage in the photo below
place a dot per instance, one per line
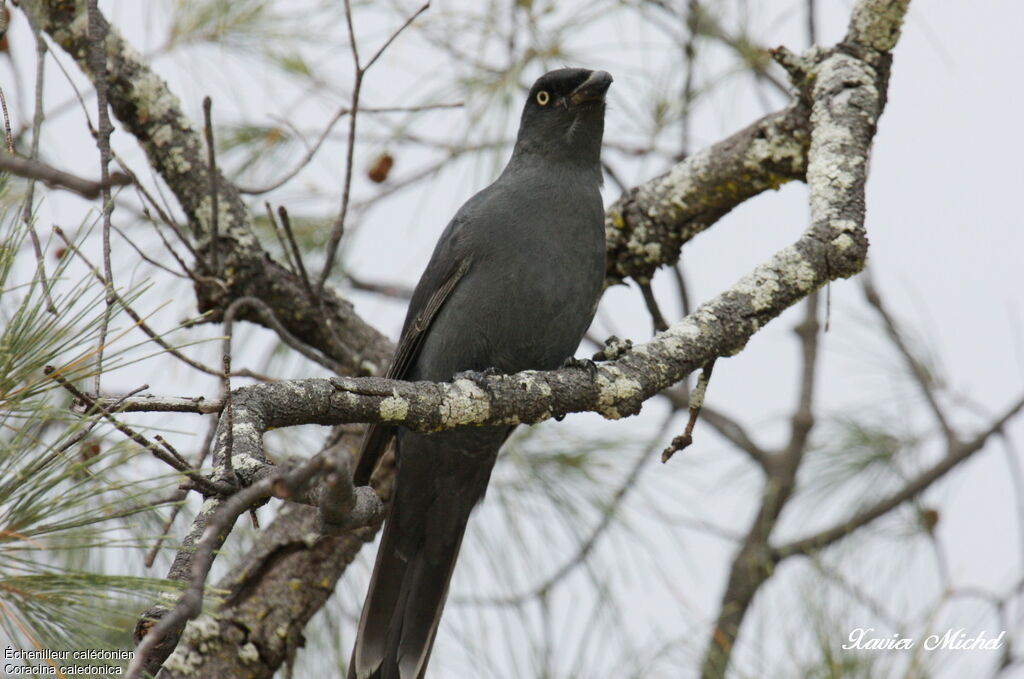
(63, 504)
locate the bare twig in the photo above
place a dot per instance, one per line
(173, 460)
(957, 452)
(286, 224)
(139, 321)
(803, 417)
(37, 124)
(179, 497)
(191, 601)
(266, 314)
(652, 307)
(338, 227)
(146, 258)
(211, 159)
(923, 377)
(696, 403)
(54, 178)
(386, 289)
(326, 132)
(98, 63)
(164, 404)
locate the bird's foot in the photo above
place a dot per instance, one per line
(477, 377)
(581, 364)
(614, 348)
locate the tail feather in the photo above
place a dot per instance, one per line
(440, 478)
(404, 606)
(383, 598)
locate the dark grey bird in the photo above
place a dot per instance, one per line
(512, 285)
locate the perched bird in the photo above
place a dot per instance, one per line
(512, 285)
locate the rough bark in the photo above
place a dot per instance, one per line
(147, 109)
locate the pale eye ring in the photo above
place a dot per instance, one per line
(543, 98)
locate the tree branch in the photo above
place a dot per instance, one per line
(52, 177)
(957, 452)
(147, 109)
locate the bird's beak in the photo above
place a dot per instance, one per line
(592, 89)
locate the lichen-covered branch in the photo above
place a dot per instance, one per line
(147, 109)
(847, 90)
(645, 228)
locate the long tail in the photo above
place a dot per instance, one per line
(437, 486)
(403, 610)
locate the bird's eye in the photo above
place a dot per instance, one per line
(543, 98)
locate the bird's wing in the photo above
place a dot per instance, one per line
(379, 435)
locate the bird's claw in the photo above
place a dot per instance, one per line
(582, 364)
(477, 377)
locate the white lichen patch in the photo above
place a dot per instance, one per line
(652, 252)
(796, 270)
(245, 463)
(163, 135)
(877, 23)
(787, 268)
(177, 162)
(761, 285)
(183, 662)
(204, 627)
(394, 408)
(225, 223)
(612, 391)
(209, 504)
(466, 403)
(778, 149)
(683, 179)
(843, 242)
(249, 654)
(673, 341)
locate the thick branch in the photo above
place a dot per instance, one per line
(847, 93)
(145, 106)
(645, 228)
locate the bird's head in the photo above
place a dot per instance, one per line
(564, 115)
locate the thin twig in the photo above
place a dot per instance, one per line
(386, 289)
(957, 452)
(660, 325)
(211, 159)
(165, 404)
(139, 321)
(146, 258)
(802, 420)
(696, 403)
(37, 125)
(98, 59)
(179, 496)
(921, 374)
(326, 132)
(338, 227)
(267, 315)
(176, 462)
(288, 259)
(286, 224)
(229, 411)
(35, 170)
